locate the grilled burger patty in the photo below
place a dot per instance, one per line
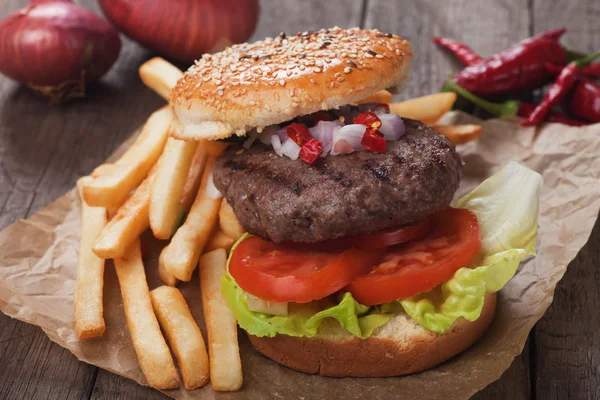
(281, 199)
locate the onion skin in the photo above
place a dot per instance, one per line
(183, 29)
(57, 48)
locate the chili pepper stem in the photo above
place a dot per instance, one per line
(508, 108)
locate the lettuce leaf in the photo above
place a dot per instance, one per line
(506, 206)
(304, 319)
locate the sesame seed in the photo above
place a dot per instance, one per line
(252, 102)
(337, 74)
(277, 96)
(347, 70)
(351, 63)
(282, 82)
(220, 92)
(313, 81)
(340, 79)
(317, 69)
(378, 56)
(267, 107)
(332, 84)
(371, 52)
(294, 105)
(368, 56)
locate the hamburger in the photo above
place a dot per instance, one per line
(356, 260)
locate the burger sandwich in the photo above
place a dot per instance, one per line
(357, 261)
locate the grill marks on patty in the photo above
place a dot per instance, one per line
(288, 200)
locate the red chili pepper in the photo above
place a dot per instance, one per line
(591, 71)
(298, 133)
(564, 82)
(552, 34)
(509, 107)
(369, 119)
(518, 68)
(311, 151)
(463, 52)
(525, 110)
(373, 141)
(584, 100)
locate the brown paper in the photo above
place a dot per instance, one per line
(38, 261)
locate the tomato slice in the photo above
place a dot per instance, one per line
(275, 272)
(420, 265)
(369, 241)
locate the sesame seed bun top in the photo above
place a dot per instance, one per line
(249, 86)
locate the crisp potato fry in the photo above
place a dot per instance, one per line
(169, 181)
(89, 314)
(160, 76)
(212, 147)
(194, 178)
(181, 255)
(164, 276)
(383, 96)
(183, 335)
(459, 134)
(427, 109)
(224, 351)
(228, 221)
(150, 346)
(219, 240)
(126, 226)
(113, 183)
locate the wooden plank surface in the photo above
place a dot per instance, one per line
(43, 149)
(567, 356)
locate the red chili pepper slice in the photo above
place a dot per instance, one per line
(373, 141)
(311, 150)
(298, 133)
(369, 119)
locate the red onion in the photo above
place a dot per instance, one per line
(349, 135)
(56, 48)
(183, 29)
(323, 132)
(290, 149)
(276, 143)
(392, 126)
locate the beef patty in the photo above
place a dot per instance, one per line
(288, 200)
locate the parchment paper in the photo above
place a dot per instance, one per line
(38, 261)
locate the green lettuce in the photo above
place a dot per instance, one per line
(506, 206)
(303, 319)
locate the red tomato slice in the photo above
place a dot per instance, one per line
(420, 265)
(375, 240)
(275, 272)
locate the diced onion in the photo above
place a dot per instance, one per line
(211, 189)
(276, 143)
(392, 126)
(323, 132)
(290, 149)
(352, 135)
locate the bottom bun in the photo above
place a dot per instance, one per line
(399, 347)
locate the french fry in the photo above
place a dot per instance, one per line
(459, 134)
(383, 96)
(113, 183)
(194, 178)
(181, 255)
(183, 335)
(160, 76)
(164, 276)
(213, 147)
(89, 314)
(228, 221)
(150, 346)
(427, 109)
(221, 326)
(126, 226)
(169, 181)
(219, 240)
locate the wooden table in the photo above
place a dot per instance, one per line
(44, 149)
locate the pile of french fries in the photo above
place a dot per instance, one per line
(164, 184)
